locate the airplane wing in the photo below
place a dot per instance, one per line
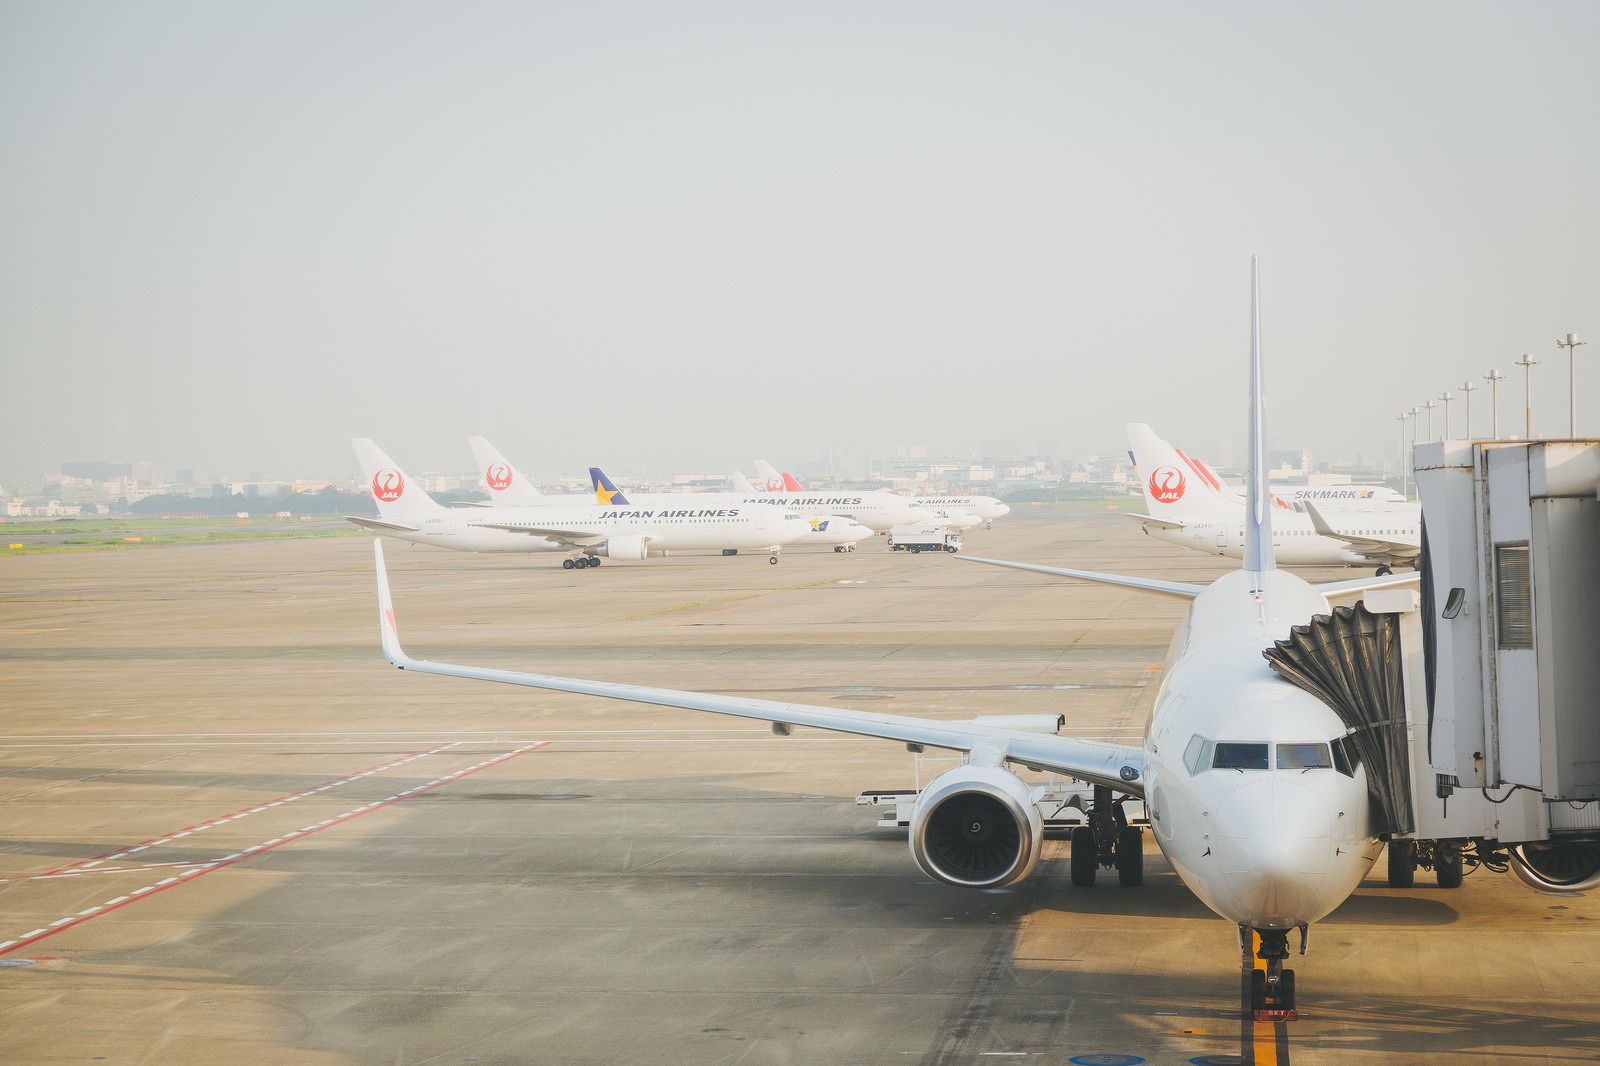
(1180, 589)
(580, 537)
(378, 525)
(1158, 523)
(1375, 548)
(1119, 766)
(1351, 590)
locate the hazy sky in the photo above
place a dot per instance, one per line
(681, 235)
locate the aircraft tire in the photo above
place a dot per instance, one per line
(1085, 857)
(772, 560)
(1447, 865)
(568, 564)
(1130, 857)
(1402, 864)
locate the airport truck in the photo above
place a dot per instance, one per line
(924, 539)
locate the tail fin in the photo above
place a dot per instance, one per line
(606, 492)
(741, 483)
(392, 490)
(771, 480)
(791, 483)
(504, 482)
(1258, 557)
(1175, 486)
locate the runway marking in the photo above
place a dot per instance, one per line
(201, 869)
(209, 823)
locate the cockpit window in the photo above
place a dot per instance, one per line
(1304, 757)
(1197, 755)
(1232, 756)
(1346, 757)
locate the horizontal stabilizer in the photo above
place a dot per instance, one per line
(378, 525)
(1154, 522)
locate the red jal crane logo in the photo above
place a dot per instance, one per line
(774, 484)
(498, 476)
(387, 485)
(1166, 484)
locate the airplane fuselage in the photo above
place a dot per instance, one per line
(1294, 543)
(1249, 796)
(675, 528)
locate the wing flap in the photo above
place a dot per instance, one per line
(1180, 589)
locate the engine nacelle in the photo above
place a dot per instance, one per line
(1557, 867)
(627, 546)
(977, 827)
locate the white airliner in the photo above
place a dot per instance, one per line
(1187, 506)
(585, 531)
(840, 532)
(957, 512)
(1249, 781)
(873, 508)
(1351, 495)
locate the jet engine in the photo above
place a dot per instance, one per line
(1557, 867)
(977, 827)
(629, 546)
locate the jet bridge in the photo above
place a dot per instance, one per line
(1475, 701)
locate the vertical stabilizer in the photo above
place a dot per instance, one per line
(390, 488)
(606, 492)
(1258, 556)
(504, 483)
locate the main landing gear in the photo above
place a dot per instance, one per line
(1384, 570)
(1107, 840)
(580, 562)
(1271, 990)
(1443, 857)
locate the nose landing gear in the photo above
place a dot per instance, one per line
(1272, 996)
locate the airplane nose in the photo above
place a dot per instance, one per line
(1275, 838)
(1001, 510)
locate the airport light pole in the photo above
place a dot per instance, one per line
(1428, 407)
(1404, 417)
(1571, 344)
(1466, 394)
(1446, 396)
(1527, 363)
(1494, 377)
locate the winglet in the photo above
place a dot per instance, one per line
(1258, 556)
(388, 631)
(1319, 523)
(606, 492)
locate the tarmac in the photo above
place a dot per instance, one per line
(233, 833)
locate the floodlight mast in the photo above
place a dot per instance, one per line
(1466, 394)
(1446, 396)
(1527, 363)
(1494, 377)
(1571, 344)
(1405, 459)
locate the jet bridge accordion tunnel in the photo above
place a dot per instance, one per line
(1352, 661)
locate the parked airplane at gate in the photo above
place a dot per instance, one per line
(1249, 781)
(586, 532)
(1188, 507)
(873, 508)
